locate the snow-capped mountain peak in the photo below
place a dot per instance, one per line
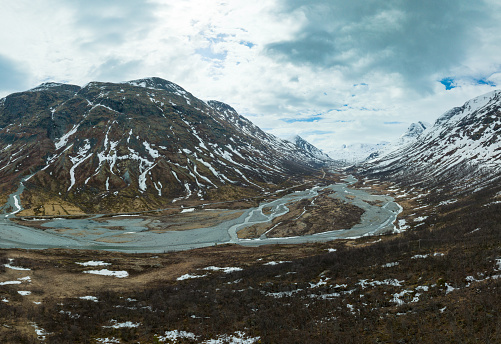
(463, 147)
(156, 83)
(308, 147)
(474, 105)
(414, 131)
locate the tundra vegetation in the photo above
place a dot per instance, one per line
(438, 280)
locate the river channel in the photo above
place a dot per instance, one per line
(135, 237)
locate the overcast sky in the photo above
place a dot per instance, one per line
(335, 72)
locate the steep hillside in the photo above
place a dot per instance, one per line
(462, 149)
(413, 132)
(308, 147)
(136, 145)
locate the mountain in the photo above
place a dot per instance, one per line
(413, 132)
(136, 145)
(462, 149)
(357, 152)
(311, 149)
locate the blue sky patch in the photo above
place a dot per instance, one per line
(317, 132)
(248, 44)
(395, 122)
(484, 82)
(294, 120)
(449, 83)
(367, 109)
(208, 54)
(219, 38)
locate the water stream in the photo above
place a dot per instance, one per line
(14, 201)
(135, 236)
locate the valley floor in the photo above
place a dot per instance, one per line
(317, 212)
(438, 280)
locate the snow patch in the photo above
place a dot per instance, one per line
(106, 272)
(93, 263)
(276, 263)
(173, 336)
(188, 276)
(127, 324)
(63, 140)
(10, 266)
(225, 270)
(10, 282)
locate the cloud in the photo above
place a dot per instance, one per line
(112, 22)
(115, 70)
(416, 39)
(332, 71)
(12, 76)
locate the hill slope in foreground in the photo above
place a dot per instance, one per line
(137, 145)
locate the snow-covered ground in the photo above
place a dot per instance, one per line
(106, 272)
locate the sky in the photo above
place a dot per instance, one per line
(334, 72)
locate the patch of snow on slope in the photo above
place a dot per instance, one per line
(188, 276)
(76, 161)
(153, 152)
(63, 140)
(10, 266)
(173, 336)
(93, 263)
(127, 324)
(225, 270)
(106, 272)
(10, 282)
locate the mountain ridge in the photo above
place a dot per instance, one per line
(462, 149)
(306, 146)
(413, 132)
(135, 145)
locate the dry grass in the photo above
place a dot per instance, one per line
(304, 218)
(37, 205)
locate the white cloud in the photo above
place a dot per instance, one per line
(275, 61)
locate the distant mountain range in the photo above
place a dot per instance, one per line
(359, 152)
(414, 131)
(462, 149)
(136, 145)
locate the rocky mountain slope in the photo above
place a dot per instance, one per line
(412, 134)
(463, 148)
(136, 145)
(308, 147)
(359, 152)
